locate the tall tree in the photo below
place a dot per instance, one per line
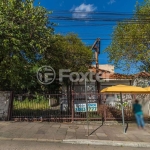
(131, 40)
(68, 52)
(25, 32)
(27, 42)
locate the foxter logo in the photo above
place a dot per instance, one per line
(46, 75)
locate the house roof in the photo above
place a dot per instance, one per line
(120, 76)
(142, 74)
(110, 75)
(132, 76)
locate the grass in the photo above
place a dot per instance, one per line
(31, 104)
(33, 108)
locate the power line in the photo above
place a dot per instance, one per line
(96, 19)
(98, 12)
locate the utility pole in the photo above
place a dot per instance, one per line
(96, 48)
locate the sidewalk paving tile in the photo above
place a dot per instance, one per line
(1, 133)
(56, 125)
(60, 131)
(16, 135)
(39, 136)
(121, 135)
(133, 138)
(48, 136)
(59, 136)
(27, 135)
(81, 137)
(143, 138)
(88, 127)
(64, 126)
(101, 134)
(102, 138)
(5, 129)
(7, 135)
(71, 130)
(40, 131)
(80, 127)
(70, 135)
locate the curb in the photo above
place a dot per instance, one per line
(107, 143)
(30, 139)
(85, 141)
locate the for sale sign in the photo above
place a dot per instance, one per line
(82, 107)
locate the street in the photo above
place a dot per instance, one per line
(33, 145)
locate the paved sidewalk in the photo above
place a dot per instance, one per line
(75, 133)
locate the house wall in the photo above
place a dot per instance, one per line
(106, 67)
(144, 100)
(110, 82)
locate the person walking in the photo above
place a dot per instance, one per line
(137, 110)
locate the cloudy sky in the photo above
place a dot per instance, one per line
(90, 19)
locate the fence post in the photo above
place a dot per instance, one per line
(10, 107)
(72, 93)
(104, 111)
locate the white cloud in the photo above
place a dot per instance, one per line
(83, 10)
(111, 2)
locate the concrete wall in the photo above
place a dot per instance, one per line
(4, 103)
(144, 100)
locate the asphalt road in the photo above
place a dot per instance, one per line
(32, 145)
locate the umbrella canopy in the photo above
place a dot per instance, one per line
(147, 88)
(124, 89)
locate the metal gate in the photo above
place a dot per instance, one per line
(55, 107)
(61, 107)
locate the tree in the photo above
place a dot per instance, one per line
(68, 52)
(25, 31)
(27, 42)
(131, 40)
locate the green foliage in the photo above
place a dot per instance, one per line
(39, 98)
(131, 40)
(31, 104)
(68, 52)
(35, 107)
(27, 42)
(118, 105)
(24, 34)
(37, 102)
(94, 115)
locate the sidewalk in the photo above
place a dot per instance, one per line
(75, 133)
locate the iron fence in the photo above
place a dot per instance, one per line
(37, 107)
(64, 107)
